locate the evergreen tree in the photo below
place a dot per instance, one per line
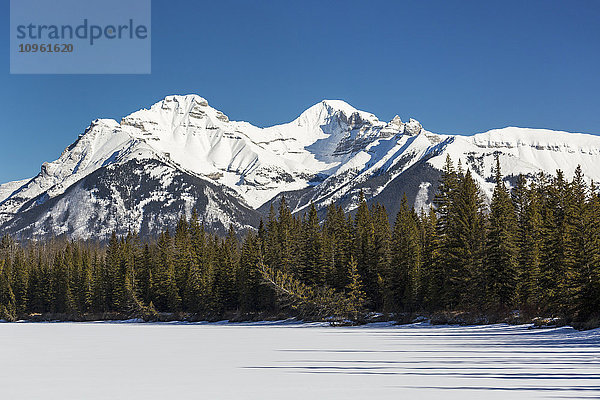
(183, 259)
(552, 260)
(285, 229)
(253, 296)
(20, 281)
(528, 238)
(8, 311)
(404, 275)
(165, 294)
(580, 243)
(312, 263)
(338, 246)
(501, 252)
(463, 250)
(356, 295)
(433, 276)
(381, 250)
(364, 252)
(445, 195)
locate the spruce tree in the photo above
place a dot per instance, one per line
(165, 294)
(580, 245)
(313, 256)
(364, 252)
(285, 229)
(381, 249)
(404, 275)
(433, 272)
(20, 280)
(252, 294)
(354, 290)
(463, 249)
(183, 259)
(527, 205)
(500, 266)
(553, 282)
(338, 246)
(8, 311)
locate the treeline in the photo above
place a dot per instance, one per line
(535, 248)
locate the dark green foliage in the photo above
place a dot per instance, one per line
(354, 290)
(526, 201)
(462, 246)
(403, 280)
(365, 252)
(500, 267)
(536, 248)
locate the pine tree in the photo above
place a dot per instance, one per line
(580, 245)
(552, 261)
(19, 281)
(8, 311)
(252, 295)
(285, 229)
(364, 252)
(86, 294)
(501, 258)
(338, 246)
(113, 279)
(445, 195)
(443, 201)
(165, 294)
(381, 249)
(183, 259)
(526, 202)
(229, 265)
(588, 300)
(313, 257)
(403, 281)
(272, 247)
(463, 249)
(62, 291)
(432, 269)
(354, 290)
(99, 284)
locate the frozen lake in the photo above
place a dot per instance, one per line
(293, 361)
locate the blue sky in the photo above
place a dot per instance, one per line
(456, 66)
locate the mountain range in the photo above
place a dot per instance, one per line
(144, 172)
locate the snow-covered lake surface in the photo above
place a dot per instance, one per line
(295, 361)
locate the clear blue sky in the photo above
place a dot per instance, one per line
(456, 66)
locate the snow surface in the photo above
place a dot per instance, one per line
(8, 188)
(295, 361)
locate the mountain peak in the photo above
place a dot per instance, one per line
(181, 100)
(329, 153)
(337, 105)
(174, 112)
(327, 111)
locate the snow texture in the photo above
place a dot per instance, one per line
(295, 361)
(331, 148)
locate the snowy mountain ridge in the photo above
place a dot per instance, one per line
(329, 153)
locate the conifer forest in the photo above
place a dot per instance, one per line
(533, 251)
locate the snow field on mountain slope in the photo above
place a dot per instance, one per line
(330, 138)
(8, 188)
(295, 361)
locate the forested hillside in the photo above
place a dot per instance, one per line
(535, 249)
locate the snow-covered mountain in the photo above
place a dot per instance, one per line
(143, 172)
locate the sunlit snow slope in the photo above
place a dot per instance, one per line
(328, 154)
